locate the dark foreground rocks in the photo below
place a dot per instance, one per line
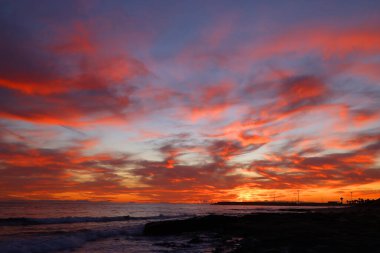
(344, 230)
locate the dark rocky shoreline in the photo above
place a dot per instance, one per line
(352, 229)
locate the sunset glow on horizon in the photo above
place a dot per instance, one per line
(189, 101)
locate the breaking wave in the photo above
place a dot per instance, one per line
(58, 241)
(22, 221)
(63, 220)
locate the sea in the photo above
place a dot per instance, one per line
(81, 226)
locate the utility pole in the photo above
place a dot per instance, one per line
(351, 197)
(298, 194)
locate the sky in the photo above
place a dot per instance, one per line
(189, 101)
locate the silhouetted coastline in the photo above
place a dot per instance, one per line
(352, 229)
(277, 203)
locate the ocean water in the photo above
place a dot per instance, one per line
(55, 226)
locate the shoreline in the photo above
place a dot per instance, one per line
(352, 229)
(272, 203)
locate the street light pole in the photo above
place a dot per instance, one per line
(298, 193)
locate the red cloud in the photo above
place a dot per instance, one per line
(329, 42)
(303, 88)
(75, 39)
(302, 116)
(48, 173)
(210, 101)
(249, 138)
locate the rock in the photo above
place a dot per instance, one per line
(171, 227)
(344, 230)
(196, 239)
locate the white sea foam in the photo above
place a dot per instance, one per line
(60, 220)
(22, 221)
(62, 241)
